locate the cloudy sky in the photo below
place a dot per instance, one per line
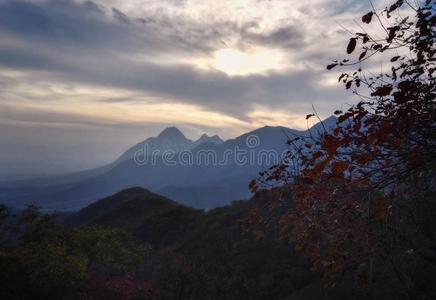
(80, 81)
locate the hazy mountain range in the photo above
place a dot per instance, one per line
(205, 173)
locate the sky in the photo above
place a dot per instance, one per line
(81, 81)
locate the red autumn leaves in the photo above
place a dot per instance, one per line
(349, 179)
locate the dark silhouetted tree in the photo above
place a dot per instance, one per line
(362, 192)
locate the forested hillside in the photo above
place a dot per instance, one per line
(138, 245)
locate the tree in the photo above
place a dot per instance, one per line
(41, 259)
(362, 192)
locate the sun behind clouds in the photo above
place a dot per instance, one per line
(235, 62)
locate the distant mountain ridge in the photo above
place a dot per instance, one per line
(170, 138)
(200, 183)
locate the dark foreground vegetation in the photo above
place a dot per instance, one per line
(138, 245)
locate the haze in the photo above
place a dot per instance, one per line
(81, 81)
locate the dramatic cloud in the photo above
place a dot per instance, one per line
(225, 65)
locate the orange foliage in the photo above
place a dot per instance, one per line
(340, 198)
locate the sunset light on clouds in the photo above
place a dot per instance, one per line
(206, 66)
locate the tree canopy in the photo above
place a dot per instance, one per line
(362, 192)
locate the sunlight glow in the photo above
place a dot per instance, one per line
(235, 62)
(90, 107)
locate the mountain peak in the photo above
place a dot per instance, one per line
(331, 120)
(206, 138)
(171, 133)
(329, 124)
